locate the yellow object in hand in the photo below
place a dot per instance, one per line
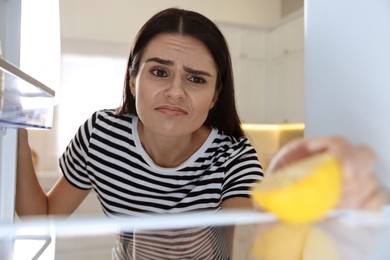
(303, 191)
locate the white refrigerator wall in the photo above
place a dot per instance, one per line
(10, 37)
(347, 73)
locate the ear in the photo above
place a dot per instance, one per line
(132, 86)
(215, 98)
(212, 104)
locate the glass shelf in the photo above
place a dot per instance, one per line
(24, 101)
(344, 234)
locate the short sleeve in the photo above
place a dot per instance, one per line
(242, 171)
(73, 162)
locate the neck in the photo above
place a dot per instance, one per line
(168, 151)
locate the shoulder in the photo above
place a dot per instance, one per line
(232, 144)
(111, 115)
(109, 118)
(227, 150)
(106, 123)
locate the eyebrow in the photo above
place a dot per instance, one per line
(187, 69)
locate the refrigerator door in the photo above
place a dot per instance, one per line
(24, 101)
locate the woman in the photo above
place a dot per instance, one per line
(175, 145)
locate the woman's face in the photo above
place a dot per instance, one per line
(175, 86)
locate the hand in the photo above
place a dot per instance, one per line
(361, 189)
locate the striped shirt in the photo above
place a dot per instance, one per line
(106, 155)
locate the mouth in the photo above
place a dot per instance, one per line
(172, 110)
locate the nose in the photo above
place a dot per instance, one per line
(176, 88)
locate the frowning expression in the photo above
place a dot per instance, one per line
(176, 84)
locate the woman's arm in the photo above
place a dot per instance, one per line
(234, 203)
(30, 200)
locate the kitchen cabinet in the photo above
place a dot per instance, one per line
(245, 42)
(285, 102)
(248, 47)
(286, 73)
(286, 37)
(268, 69)
(250, 82)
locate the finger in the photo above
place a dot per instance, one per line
(356, 191)
(22, 133)
(333, 144)
(291, 152)
(302, 148)
(358, 162)
(375, 201)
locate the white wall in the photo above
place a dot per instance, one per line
(119, 20)
(348, 73)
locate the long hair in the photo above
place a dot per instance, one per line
(223, 115)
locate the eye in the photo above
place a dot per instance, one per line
(197, 79)
(159, 73)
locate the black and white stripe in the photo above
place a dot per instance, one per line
(106, 155)
(192, 243)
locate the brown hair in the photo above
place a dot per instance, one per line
(224, 113)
